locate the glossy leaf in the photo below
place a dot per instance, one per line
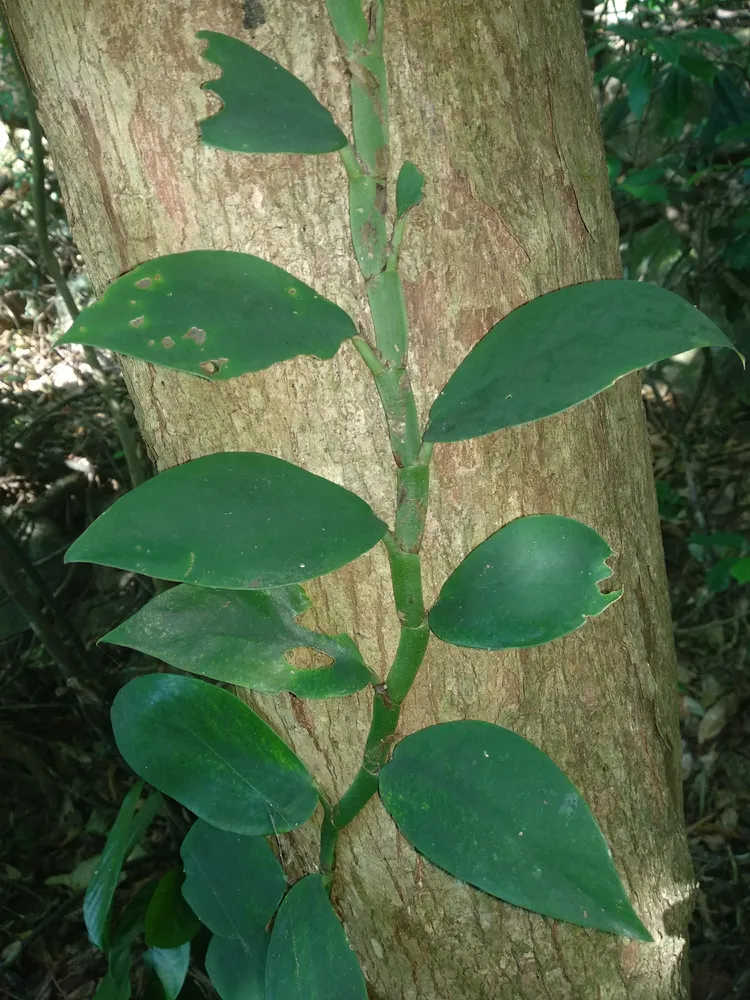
(235, 520)
(309, 955)
(212, 313)
(237, 969)
(207, 749)
(530, 582)
(562, 348)
(170, 966)
(493, 810)
(240, 637)
(170, 922)
(233, 883)
(266, 108)
(409, 188)
(128, 828)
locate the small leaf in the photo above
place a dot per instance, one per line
(717, 716)
(237, 969)
(562, 348)
(241, 637)
(266, 108)
(170, 966)
(529, 583)
(170, 922)
(493, 810)
(235, 520)
(208, 750)
(309, 955)
(233, 883)
(409, 188)
(129, 827)
(740, 570)
(212, 313)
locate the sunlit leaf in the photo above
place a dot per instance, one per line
(241, 637)
(207, 749)
(235, 520)
(212, 313)
(266, 108)
(493, 810)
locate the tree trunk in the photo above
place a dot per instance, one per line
(494, 102)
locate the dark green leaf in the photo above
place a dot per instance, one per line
(128, 828)
(490, 808)
(212, 313)
(697, 65)
(719, 577)
(238, 969)
(266, 108)
(208, 750)
(532, 581)
(170, 966)
(639, 81)
(676, 96)
(740, 571)
(116, 984)
(233, 883)
(235, 520)
(711, 36)
(170, 922)
(241, 637)
(409, 188)
(562, 348)
(310, 956)
(652, 194)
(667, 49)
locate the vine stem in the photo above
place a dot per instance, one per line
(387, 360)
(39, 202)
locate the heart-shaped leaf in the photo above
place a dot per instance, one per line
(409, 188)
(237, 969)
(169, 966)
(240, 637)
(309, 955)
(207, 749)
(493, 810)
(233, 883)
(170, 922)
(235, 520)
(562, 348)
(532, 581)
(212, 313)
(266, 108)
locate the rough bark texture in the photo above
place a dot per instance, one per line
(492, 98)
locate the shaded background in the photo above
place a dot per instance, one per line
(673, 84)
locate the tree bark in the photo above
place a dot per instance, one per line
(493, 101)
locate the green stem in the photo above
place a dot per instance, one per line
(39, 201)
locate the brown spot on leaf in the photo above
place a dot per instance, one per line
(137, 321)
(143, 283)
(167, 342)
(151, 343)
(212, 367)
(292, 291)
(195, 333)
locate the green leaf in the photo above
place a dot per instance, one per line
(233, 883)
(531, 582)
(128, 828)
(170, 966)
(349, 23)
(241, 637)
(237, 969)
(212, 313)
(266, 108)
(562, 348)
(639, 81)
(310, 955)
(116, 984)
(235, 520)
(676, 96)
(208, 750)
(711, 36)
(740, 571)
(170, 922)
(697, 65)
(490, 808)
(409, 188)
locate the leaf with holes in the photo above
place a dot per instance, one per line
(241, 637)
(266, 108)
(236, 520)
(309, 951)
(237, 969)
(233, 883)
(212, 313)
(531, 582)
(562, 348)
(493, 810)
(207, 749)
